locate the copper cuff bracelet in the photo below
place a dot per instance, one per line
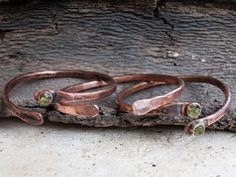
(192, 110)
(64, 99)
(58, 99)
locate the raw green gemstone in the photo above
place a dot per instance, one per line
(198, 130)
(194, 110)
(45, 99)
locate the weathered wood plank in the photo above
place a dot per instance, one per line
(118, 38)
(19, 2)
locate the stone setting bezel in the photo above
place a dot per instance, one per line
(47, 101)
(195, 133)
(188, 110)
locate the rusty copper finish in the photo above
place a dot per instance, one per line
(61, 100)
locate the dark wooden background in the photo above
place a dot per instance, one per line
(118, 37)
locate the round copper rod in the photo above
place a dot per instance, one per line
(144, 106)
(179, 109)
(36, 118)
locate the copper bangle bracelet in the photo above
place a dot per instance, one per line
(49, 97)
(144, 106)
(193, 110)
(64, 100)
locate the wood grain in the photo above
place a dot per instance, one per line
(172, 37)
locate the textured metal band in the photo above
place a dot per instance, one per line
(144, 106)
(36, 118)
(175, 108)
(179, 109)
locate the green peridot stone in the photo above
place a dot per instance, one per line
(194, 110)
(198, 130)
(45, 99)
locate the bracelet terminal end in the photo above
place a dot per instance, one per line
(196, 128)
(84, 110)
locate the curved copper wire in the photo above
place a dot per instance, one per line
(36, 118)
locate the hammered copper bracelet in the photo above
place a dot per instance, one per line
(62, 100)
(144, 106)
(59, 99)
(192, 110)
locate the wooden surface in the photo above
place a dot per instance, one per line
(117, 38)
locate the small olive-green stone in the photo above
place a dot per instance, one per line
(45, 99)
(199, 129)
(194, 110)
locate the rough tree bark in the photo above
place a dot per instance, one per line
(172, 37)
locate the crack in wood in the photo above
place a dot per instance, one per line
(157, 13)
(54, 21)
